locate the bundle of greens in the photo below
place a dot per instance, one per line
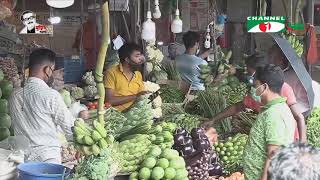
(171, 94)
(115, 121)
(186, 121)
(313, 126)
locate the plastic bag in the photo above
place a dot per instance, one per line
(76, 108)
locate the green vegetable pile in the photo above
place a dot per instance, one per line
(77, 92)
(6, 88)
(162, 134)
(140, 112)
(171, 94)
(186, 121)
(230, 152)
(234, 91)
(90, 89)
(313, 126)
(115, 121)
(133, 151)
(94, 167)
(66, 97)
(161, 164)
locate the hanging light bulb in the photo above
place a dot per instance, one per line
(157, 12)
(207, 43)
(60, 3)
(149, 28)
(176, 26)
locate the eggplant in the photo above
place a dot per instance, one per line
(200, 145)
(187, 151)
(188, 141)
(196, 132)
(179, 139)
(181, 131)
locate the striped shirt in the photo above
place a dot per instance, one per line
(43, 112)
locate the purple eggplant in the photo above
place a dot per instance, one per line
(181, 131)
(179, 140)
(188, 141)
(200, 145)
(196, 132)
(187, 151)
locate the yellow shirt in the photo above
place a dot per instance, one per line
(116, 80)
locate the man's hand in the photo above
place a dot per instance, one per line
(143, 93)
(84, 114)
(207, 123)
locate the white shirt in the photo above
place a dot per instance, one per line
(43, 112)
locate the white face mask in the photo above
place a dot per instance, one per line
(198, 51)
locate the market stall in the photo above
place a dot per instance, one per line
(165, 133)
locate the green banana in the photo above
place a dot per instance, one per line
(86, 150)
(100, 128)
(80, 131)
(88, 140)
(103, 144)
(79, 139)
(95, 135)
(95, 149)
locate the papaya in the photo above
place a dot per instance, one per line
(7, 88)
(4, 133)
(5, 120)
(3, 106)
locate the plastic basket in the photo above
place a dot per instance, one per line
(42, 171)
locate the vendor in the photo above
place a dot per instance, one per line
(123, 82)
(188, 63)
(251, 102)
(38, 111)
(277, 57)
(274, 126)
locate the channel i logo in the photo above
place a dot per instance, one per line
(256, 24)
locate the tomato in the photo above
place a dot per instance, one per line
(94, 106)
(96, 103)
(107, 105)
(89, 104)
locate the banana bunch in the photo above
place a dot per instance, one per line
(221, 66)
(295, 43)
(91, 140)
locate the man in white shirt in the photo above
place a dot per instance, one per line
(277, 57)
(38, 111)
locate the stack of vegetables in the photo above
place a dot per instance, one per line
(154, 59)
(215, 70)
(231, 151)
(10, 70)
(90, 89)
(162, 134)
(161, 164)
(140, 113)
(294, 42)
(244, 121)
(313, 125)
(195, 148)
(157, 101)
(94, 167)
(133, 150)
(6, 88)
(77, 93)
(66, 97)
(91, 140)
(115, 121)
(233, 176)
(185, 120)
(233, 90)
(171, 94)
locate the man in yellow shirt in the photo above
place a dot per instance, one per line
(124, 82)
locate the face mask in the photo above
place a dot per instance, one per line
(286, 69)
(254, 95)
(50, 78)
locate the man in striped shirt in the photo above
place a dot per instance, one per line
(38, 111)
